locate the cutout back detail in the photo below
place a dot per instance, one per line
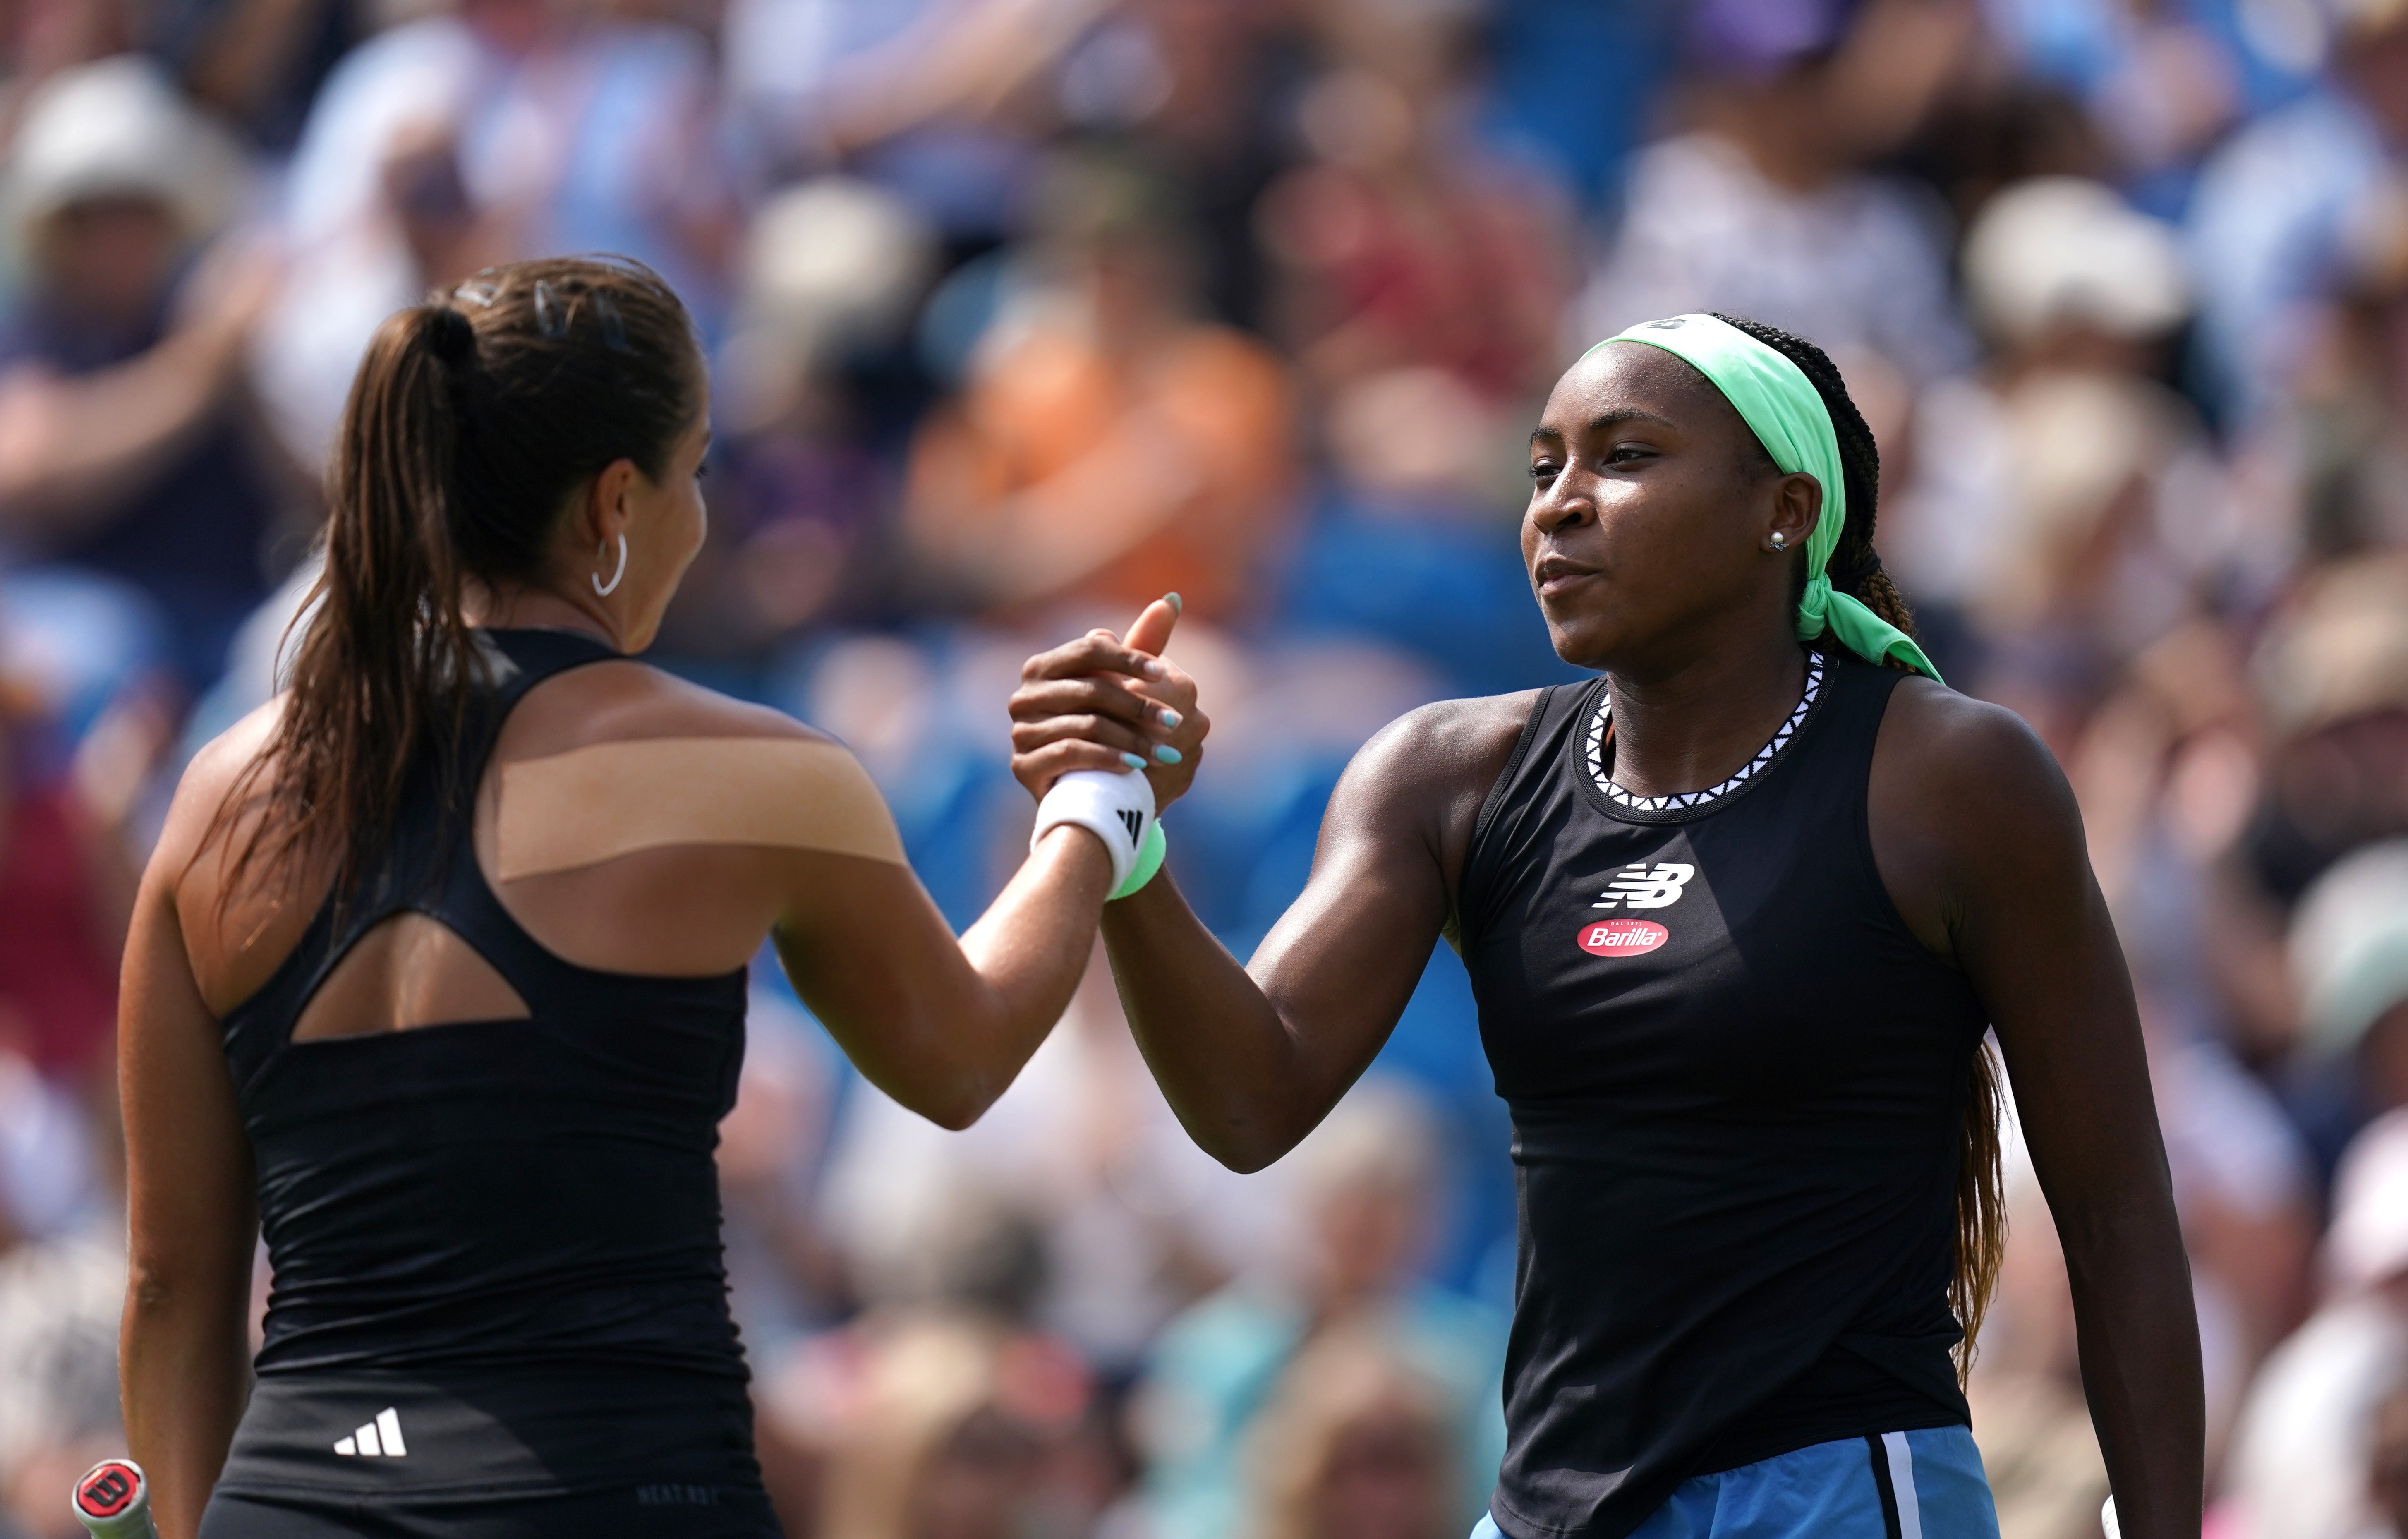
(405, 973)
(595, 804)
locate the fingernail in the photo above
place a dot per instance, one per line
(1176, 607)
(1153, 668)
(1170, 717)
(1133, 761)
(1167, 753)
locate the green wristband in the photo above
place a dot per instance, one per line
(1149, 860)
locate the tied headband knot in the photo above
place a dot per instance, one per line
(1786, 412)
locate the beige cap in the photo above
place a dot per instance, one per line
(2057, 250)
(113, 129)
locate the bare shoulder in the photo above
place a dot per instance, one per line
(1429, 770)
(216, 773)
(629, 702)
(1968, 759)
(1968, 810)
(1448, 736)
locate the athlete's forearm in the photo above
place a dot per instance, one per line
(183, 1379)
(1028, 951)
(2139, 1335)
(1230, 1067)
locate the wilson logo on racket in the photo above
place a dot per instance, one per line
(1622, 937)
(108, 1490)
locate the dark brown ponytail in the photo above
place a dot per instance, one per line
(473, 422)
(1855, 570)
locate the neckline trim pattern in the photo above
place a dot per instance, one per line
(1690, 800)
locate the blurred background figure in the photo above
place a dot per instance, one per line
(2300, 1460)
(1241, 1373)
(1358, 1444)
(129, 454)
(1021, 313)
(950, 1427)
(1109, 445)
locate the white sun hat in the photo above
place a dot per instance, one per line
(118, 128)
(2063, 249)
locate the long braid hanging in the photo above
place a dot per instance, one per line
(1856, 568)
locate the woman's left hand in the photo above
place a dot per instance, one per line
(1096, 702)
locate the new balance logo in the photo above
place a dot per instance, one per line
(1134, 821)
(1637, 887)
(378, 1439)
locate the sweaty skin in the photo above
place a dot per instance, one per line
(1648, 538)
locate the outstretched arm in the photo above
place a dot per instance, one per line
(1251, 1058)
(2010, 895)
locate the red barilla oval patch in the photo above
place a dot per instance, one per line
(1622, 937)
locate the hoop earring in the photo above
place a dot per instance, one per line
(602, 589)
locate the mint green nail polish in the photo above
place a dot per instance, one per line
(1133, 761)
(1170, 718)
(1176, 606)
(1167, 753)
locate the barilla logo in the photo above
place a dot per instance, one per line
(1622, 937)
(109, 1489)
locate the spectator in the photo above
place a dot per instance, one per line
(1764, 207)
(2349, 953)
(2065, 503)
(1364, 1208)
(2278, 208)
(127, 443)
(60, 1300)
(1356, 1444)
(1424, 278)
(1109, 447)
(946, 1427)
(2300, 1457)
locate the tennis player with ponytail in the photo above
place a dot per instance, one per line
(439, 974)
(1738, 916)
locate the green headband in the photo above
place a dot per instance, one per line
(1790, 420)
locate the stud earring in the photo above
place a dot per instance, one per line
(1780, 540)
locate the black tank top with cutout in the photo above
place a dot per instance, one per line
(1737, 1083)
(506, 1233)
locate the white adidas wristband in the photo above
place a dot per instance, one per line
(1116, 808)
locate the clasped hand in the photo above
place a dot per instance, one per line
(1106, 702)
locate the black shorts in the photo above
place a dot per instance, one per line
(636, 1512)
(525, 1454)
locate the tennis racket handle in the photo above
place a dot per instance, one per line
(113, 1501)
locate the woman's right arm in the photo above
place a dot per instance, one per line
(193, 1223)
(1252, 1057)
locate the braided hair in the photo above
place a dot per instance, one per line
(1855, 570)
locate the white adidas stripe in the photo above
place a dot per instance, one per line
(378, 1439)
(1901, 1485)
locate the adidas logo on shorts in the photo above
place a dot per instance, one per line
(378, 1439)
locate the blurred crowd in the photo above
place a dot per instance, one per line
(1021, 313)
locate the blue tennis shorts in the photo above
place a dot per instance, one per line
(1920, 1484)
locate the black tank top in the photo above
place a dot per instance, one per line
(1737, 1082)
(506, 1232)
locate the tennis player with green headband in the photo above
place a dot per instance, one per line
(1737, 915)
